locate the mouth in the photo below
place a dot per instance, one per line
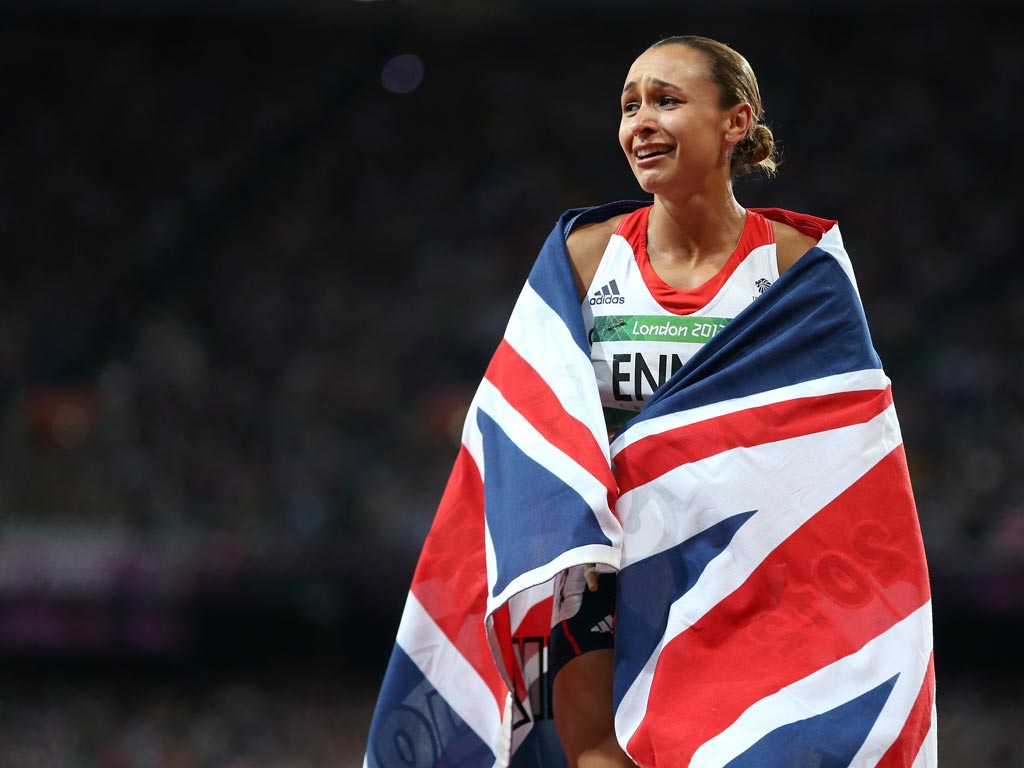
(648, 153)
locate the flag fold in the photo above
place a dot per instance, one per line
(773, 597)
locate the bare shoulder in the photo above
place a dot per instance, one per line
(586, 245)
(790, 244)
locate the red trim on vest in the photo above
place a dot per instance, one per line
(757, 231)
(572, 640)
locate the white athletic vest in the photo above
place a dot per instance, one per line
(642, 330)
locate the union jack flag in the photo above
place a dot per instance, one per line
(773, 604)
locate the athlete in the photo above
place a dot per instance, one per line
(655, 285)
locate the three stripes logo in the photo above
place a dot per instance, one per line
(609, 294)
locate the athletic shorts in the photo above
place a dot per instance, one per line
(582, 620)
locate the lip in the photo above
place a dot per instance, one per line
(660, 151)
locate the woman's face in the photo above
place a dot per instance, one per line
(672, 129)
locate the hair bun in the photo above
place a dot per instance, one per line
(755, 150)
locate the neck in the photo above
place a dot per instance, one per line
(696, 227)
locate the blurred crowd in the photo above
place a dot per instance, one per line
(246, 289)
(247, 292)
(300, 721)
(259, 721)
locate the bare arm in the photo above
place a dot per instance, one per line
(790, 245)
(584, 712)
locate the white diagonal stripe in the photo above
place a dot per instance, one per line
(893, 653)
(868, 379)
(449, 673)
(786, 481)
(490, 400)
(805, 474)
(542, 338)
(533, 444)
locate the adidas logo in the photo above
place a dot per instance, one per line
(609, 294)
(607, 624)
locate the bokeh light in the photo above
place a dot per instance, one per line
(403, 73)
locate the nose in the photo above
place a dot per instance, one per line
(643, 120)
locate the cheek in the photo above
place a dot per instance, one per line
(625, 138)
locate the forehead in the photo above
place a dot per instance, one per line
(677, 64)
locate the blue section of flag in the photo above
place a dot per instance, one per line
(532, 514)
(808, 325)
(551, 276)
(540, 749)
(413, 725)
(829, 740)
(648, 588)
(552, 279)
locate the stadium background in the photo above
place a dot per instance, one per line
(251, 273)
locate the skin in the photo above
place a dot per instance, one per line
(678, 142)
(670, 105)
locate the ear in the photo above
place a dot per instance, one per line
(738, 121)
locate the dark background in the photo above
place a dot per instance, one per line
(247, 291)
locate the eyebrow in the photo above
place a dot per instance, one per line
(656, 81)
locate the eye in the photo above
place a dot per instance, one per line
(668, 101)
(630, 107)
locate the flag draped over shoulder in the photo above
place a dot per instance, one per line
(773, 604)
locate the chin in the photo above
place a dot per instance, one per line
(650, 186)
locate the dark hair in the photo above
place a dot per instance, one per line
(737, 84)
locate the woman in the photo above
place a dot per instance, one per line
(691, 123)
(759, 530)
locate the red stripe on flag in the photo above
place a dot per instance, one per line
(844, 577)
(451, 576)
(528, 392)
(652, 456)
(915, 730)
(501, 624)
(530, 634)
(537, 621)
